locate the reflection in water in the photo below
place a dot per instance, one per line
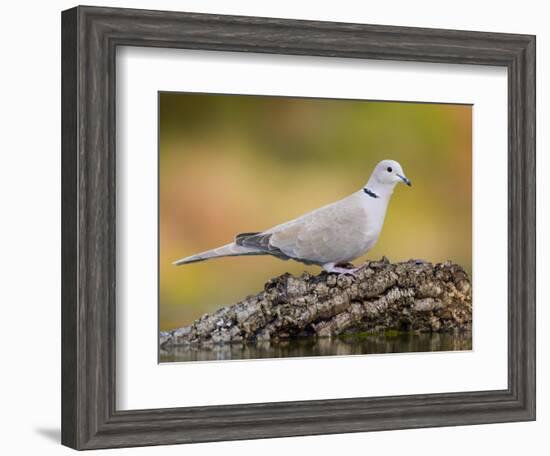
(360, 344)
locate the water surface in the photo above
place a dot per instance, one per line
(359, 344)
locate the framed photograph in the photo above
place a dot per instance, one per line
(279, 228)
(277, 155)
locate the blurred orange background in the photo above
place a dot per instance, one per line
(231, 163)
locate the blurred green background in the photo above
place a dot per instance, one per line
(231, 163)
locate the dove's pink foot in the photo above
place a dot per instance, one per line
(343, 268)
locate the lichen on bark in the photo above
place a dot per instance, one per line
(411, 296)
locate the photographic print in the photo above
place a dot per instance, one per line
(270, 237)
(298, 227)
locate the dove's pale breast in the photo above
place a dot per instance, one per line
(336, 233)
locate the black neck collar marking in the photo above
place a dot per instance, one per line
(371, 193)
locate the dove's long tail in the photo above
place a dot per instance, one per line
(224, 251)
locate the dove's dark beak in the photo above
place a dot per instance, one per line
(404, 179)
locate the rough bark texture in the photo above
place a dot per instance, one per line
(412, 295)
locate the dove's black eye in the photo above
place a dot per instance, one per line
(389, 170)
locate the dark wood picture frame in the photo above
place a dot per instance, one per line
(90, 36)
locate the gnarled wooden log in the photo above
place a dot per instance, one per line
(413, 296)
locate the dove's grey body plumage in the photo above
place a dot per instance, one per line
(336, 233)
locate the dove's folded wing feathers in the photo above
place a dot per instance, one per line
(259, 242)
(333, 233)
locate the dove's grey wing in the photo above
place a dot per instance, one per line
(333, 233)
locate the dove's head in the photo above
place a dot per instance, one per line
(388, 172)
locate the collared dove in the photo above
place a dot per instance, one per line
(330, 236)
